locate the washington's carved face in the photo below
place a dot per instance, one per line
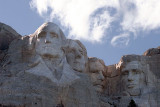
(76, 57)
(49, 41)
(133, 75)
(96, 72)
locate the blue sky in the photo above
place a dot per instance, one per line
(107, 28)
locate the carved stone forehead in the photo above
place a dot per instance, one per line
(76, 44)
(50, 27)
(133, 65)
(73, 44)
(96, 64)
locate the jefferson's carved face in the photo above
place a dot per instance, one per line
(133, 75)
(76, 56)
(49, 41)
(97, 70)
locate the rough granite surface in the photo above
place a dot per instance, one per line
(45, 69)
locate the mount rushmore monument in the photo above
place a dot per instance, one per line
(45, 69)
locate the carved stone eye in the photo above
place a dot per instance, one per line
(125, 72)
(81, 52)
(54, 35)
(72, 50)
(136, 71)
(42, 34)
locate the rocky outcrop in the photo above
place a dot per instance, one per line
(36, 72)
(7, 35)
(134, 78)
(152, 51)
(45, 69)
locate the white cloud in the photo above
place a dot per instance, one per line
(77, 15)
(141, 15)
(120, 40)
(89, 19)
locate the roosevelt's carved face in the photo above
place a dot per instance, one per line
(133, 76)
(49, 41)
(76, 56)
(97, 69)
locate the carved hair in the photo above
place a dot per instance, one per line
(34, 36)
(70, 42)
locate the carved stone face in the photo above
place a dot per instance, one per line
(49, 41)
(76, 56)
(133, 76)
(97, 69)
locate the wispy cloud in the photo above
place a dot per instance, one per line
(90, 19)
(120, 40)
(140, 14)
(79, 16)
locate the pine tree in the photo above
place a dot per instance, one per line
(132, 104)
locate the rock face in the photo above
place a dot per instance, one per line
(152, 51)
(135, 78)
(36, 73)
(7, 35)
(45, 69)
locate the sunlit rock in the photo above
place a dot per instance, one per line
(76, 55)
(45, 69)
(152, 51)
(96, 71)
(7, 35)
(36, 73)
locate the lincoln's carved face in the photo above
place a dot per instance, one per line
(133, 76)
(97, 69)
(49, 41)
(76, 56)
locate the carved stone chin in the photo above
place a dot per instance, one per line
(61, 75)
(49, 56)
(135, 92)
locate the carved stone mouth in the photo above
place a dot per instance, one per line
(49, 56)
(99, 85)
(49, 46)
(131, 85)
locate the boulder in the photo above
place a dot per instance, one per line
(152, 51)
(7, 35)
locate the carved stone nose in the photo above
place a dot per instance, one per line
(101, 77)
(47, 41)
(78, 54)
(130, 77)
